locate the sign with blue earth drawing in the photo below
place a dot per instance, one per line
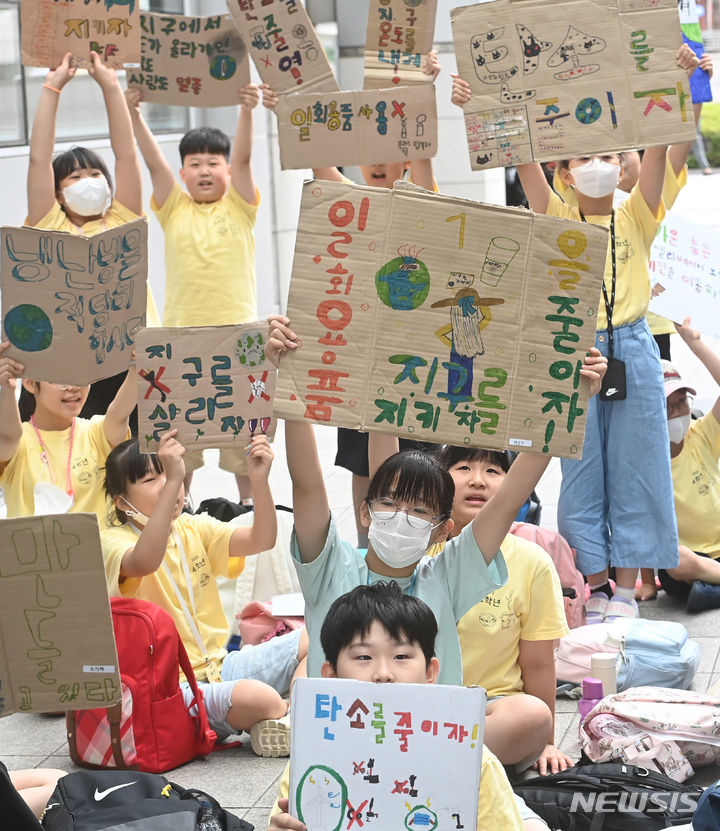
(71, 305)
(400, 756)
(575, 77)
(441, 319)
(213, 383)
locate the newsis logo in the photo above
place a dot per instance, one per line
(636, 802)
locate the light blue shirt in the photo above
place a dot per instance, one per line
(450, 583)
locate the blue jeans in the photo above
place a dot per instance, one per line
(616, 503)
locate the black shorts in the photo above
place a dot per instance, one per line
(676, 588)
(352, 450)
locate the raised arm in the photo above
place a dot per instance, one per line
(261, 535)
(147, 554)
(10, 424)
(678, 153)
(310, 503)
(704, 354)
(161, 173)
(128, 179)
(652, 176)
(241, 175)
(41, 179)
(117, 417)
(381, 446)
(494, 519)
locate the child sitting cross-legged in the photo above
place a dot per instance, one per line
(171, 558)
(380, 634)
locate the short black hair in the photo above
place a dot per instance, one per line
(78, 158)
(415, 477)
(451, 454)
(205, 140)
(126, 464)
(398, 613)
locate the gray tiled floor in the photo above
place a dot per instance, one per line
(246, 784)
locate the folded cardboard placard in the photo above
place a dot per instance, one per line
(375, 752)
(190, 61)
(283, 44)
(357, 127)
(71, 305)
(441, 319)
(52, 28)
(212, 383)
(577, 77)
(399, 35)
(57, 647)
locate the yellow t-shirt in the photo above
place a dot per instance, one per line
(635, 229)
(206, 542)
(528, 607)
(497, 808)
(57, 220)
(672, 185)
(89, 451)
(696, 485)
(209, 259)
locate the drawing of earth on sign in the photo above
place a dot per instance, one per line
(28, 328)
(321, 798)
(250, 349)
(404, 282)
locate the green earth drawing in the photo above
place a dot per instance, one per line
(403, 283)
(28, 328)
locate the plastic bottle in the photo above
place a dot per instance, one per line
(592, 693)
(603, 665)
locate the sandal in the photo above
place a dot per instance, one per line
(596, 607)
(621, 607)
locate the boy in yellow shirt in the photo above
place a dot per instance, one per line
(209, 241)
(377, 633)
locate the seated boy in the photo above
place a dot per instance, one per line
(379, 634)
(209, 241)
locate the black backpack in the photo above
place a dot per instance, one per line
(612, 796)
(94, 800)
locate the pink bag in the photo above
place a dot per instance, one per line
(256, 623)
(563, 558)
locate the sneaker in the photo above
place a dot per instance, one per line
(271, 737)
(595, 607)
(703, 596)
(621, 607)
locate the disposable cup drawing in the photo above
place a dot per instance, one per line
(499, 255)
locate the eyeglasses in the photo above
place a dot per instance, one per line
(418, 517)
(679, 407)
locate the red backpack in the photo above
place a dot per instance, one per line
(151, 729)
(563, 557)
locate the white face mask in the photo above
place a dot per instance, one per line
(50, 499)
(596, 178)
(396, 542)
(133, 513)
(678, 427)
(88, 197)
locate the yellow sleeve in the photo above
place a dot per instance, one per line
(556, 207)
(283, 789)
(177, 194)
(545, 616)
(672, 184)
(115, 542)
(638, 211)
(215, 537)
(248, 210)
(497, 809)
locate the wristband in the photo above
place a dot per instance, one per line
(54, 89)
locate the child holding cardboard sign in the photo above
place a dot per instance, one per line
(160, 554)
(52, 463)
(209, 242)
(610, 510)
(407, 511)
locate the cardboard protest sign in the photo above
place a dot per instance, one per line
(71, 305)
(404, 755)
(684, 270)
(57, 651)
(359, 127)
(692, 35)
(283, 44)
(52, 28)
(441, 319)
(399, 34)
(190, 61)
(213, 383)
(576, 77)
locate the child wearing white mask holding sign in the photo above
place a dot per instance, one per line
(612, 509)
(407, 511)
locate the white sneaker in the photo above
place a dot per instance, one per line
(271, 737)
